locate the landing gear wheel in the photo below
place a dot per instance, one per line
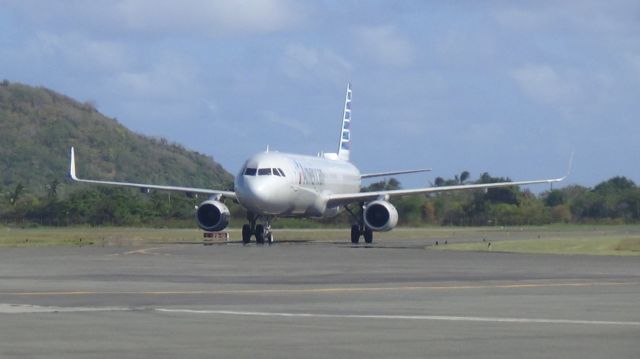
(355, 234)
(260, 234)
(246, 234)
(368, 235)
(269, 238)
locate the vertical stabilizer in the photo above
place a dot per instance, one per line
(345, 130)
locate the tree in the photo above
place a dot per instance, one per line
(15, 195)
(428, 212)
(501, 194)
(634, 204)
(554, 198)
(52, 190)
(561, 213)
(439, 182)
(389, 185)
(615, 185)
(464, 176)
(409, 209)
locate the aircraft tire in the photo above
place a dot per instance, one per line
(260, 234)
(355, 234)
(368, 235)
(246, 234)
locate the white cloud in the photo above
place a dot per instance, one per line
(208, 17)
(522, 18)
(385, 45)
(307, 63)
(598, 17)
(578, 95)
(167, 17)
(633, 60)
(483, 133)
(170, 78)
(78, 52)
(290, 123)
(544, 84)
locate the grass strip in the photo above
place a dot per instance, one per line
(605, 245)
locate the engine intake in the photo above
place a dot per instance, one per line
(212, 216)
(380, 216)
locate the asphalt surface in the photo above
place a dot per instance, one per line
(315, 300)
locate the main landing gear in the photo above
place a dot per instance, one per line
(360, 229)
(261, 231)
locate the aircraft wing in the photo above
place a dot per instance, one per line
(382, 174)
(345, 198)
(213, 192)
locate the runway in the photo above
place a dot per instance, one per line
(396, 298)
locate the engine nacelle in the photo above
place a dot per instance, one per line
(380, 216)
(212, 216)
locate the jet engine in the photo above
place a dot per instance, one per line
(380, 216)
(212, 216)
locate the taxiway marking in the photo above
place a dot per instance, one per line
(31, 309)
(317, 290)
(448, 318)
(148, 251)
(27, 309)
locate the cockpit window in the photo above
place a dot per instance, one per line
(281, 171)
(264, 171)
(250, 171)
(276, 172)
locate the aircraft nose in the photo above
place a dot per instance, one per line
(254, 191)
(258, 191)
(262, 194)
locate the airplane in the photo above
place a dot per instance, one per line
(274, 184)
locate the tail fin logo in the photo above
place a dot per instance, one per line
(345, 137)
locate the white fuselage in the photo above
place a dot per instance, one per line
(281, 184)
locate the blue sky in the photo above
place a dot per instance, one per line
(508, 87)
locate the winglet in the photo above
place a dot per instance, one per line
(72, 166)
(570, 165)
(569, 168)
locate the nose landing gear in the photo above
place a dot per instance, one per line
(261, 231)
(263, 234)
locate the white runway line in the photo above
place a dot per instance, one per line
(25, 309)
(402, 317)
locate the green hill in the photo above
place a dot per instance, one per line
(38, 126)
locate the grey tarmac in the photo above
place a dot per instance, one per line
(316, 299)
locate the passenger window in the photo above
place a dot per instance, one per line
(281, 172)
(264, 172)
(250, 172)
